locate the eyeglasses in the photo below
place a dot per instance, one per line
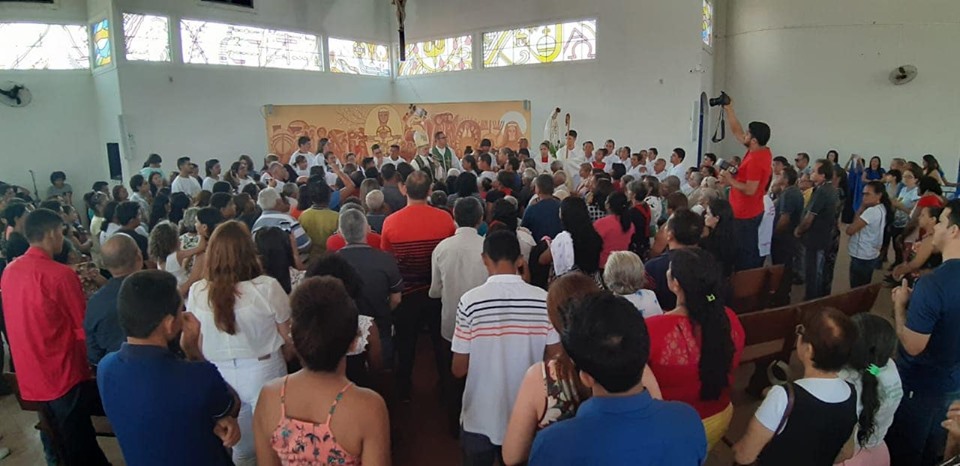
(800, 329)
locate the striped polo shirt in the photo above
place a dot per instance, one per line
(503, 326)
(411, 234)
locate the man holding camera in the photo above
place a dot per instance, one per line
(748, 185)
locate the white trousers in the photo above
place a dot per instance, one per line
(247, 377)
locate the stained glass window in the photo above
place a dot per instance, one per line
(101, 43)
(226, 44)
(547, 43)
(353, 57)
(707, 26)
(147, 37)
(30, 46)
(437, 56)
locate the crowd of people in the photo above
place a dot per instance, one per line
(575, 301)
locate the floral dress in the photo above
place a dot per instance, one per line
(562, 397)
(304, 443)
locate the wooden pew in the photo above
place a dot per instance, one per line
(755, 289)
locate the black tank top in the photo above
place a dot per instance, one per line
(815, 431)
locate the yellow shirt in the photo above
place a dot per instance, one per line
(319, 224)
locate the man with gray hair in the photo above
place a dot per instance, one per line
(382, 283)
(275, 214)
(458, 267)
(121, 257)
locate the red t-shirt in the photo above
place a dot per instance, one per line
(929, 200)
(336, 242)
(411, 234)
(43, 306)
(756, 166)
(675, 360)
(614, 238)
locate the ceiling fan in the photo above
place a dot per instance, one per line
(903, 74)
(15, 95)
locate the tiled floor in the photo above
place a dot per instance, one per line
(421, 435)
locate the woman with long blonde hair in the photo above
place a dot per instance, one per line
(244, 321)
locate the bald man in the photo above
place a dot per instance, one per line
(121, 257)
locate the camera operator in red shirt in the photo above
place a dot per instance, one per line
(748, 186)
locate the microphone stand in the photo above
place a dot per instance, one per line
(36, 193)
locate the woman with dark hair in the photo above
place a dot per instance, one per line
(903, 209)
(237, 176)
(505, 212)
(120, 193)
(179, 202)
(164, 246)
(833, 156)
(866, 233)
(212, 170)
(597, 199)
(207, 220)
(641, 217)
(466, 186)
(923, 256)
(578, 246)
(819, 427)
(295, 413)
(244, 321)
(151, 166)
(202, 199)
(365, 357)
(469, 163)
(931, 168)
(277, 258)
(874, 374)
(156, 184)
(874, 171)
(696, 347)
(110, 218)
(247, 210)
(931, 195)
(616, 229)
(719, 234)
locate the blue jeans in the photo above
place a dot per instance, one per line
(478, 450)
(748, 239)
(916, 437)
(861, 271)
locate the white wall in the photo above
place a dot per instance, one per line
(59, 129)
(817, 70)
(202, 111)
(640, 90)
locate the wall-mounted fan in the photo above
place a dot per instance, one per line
(903, 74)
(15, 95)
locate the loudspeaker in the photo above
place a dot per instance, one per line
(113, 158)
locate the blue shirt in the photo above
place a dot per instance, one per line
(656, 268)
(164, 409)
(934, 310)
(101, 324)
(543, 219)
(633, 430)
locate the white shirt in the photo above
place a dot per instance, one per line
(636, 172)
(572, 158)
(865, 244)
(889, 391)
(389, 161)
(526, 241)
(774, 405)
(685, 188)
(662, 175)
(562, 250)
(187, 185)
(260, 306)
(649, 164)
(173, 267)
(646, 302)
(457, 268)
(611, 159)
(503, 326)
(543, 167)
(678, 171)
(765, 231)
(113, 228)
(486, 175)
(208, 183)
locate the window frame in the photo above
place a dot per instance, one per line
(183, 56)
(473, 54)
(391, 73)
(170, 41)
(84, 28)
(596, 52)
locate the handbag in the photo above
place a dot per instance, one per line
(783, 421)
